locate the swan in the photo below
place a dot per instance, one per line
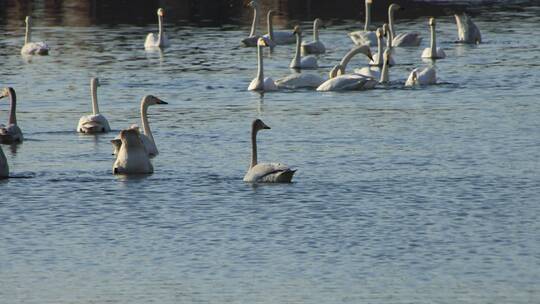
(33, 48)
(278, 37)
(366, 36)
(161, 40)
(299, 62)
(265, 172)
(147, 138)
(376, 72)
(132, 157)
(4, 167)
(260, 83)
(339, 69)
(300, 80)
(468, 32)
(315, 46)
(251, 41)
(403, 39)
(11, 133)
(423, 76)
(95, 123)
(377, 58)
(433, 52)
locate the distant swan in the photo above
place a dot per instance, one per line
(403, 39)
(260, 83)
(132, 157)
(433, 52)
(32, 48)
(251, 41)
(366, 36)
(265, 172)
(299, 61)
(95, 123)
(11, 133)
(161, 40)
(4, 167)
(425, 76)
(315, 46)
(278, 37)
(468, 32)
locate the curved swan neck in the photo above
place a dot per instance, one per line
(144, 119)
(391, 23)
(368, 15)
(255, 21)
(270, 25)
(315, 30)
(28, 33)
(298, 49)
(13, 107)
(433, 42)
(260, 72)
(345, 61)
(253, 147)
(93, 91)
(160, 27)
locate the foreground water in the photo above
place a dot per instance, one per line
(425, 195)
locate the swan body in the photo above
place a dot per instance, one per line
(4, 167)
(365, 37)
(132, 157)
(468, 32)
(278, 37)
(265, 172)
(425, 76)
(95, 123)
(160, 40)
(260, 83)
(300, 80)
(402, 39)
(315, 46)
(433, 52)
(33, 48)
(299, 61)
(348, 82)
(373, 72)
(10, 133)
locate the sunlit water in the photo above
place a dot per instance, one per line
(425, 195)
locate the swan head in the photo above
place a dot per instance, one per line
(379, 33)
(393, 7)
(386, 29)
(369, 1)
(297, 30)
(95, 82)
(319, 23)
(160, 12)
(6, 91)
(431, 21)
(254, 4)
(259, 125)
(152, 100)
(364, 49)
(262, 42)
(28, 19)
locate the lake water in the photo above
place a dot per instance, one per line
(427, 195)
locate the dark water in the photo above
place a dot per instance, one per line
(425, 195)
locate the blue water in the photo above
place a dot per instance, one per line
(426, 195)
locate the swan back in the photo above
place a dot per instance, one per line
(468, 32)
(132, 157)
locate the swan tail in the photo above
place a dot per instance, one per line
(278, 176)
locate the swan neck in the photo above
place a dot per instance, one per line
(368, 16)
(298, 47)
(160, 28)
(260, 72)
(93, 91)
(391, 24)
(13, 107)
(379, 51)
(345, 61)
(253, 147)
(270, 26)
(433, 42)
(315, 31)
(255, 21)
(28, 33)
(144, 118)
(385, 77)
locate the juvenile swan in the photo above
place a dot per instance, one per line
(260, 83)
(11, 133)
(403, 39)
(95, 123)
(132, 157)
(366, 36)
(468, 32)
(315, 46)
(32, 48)
(4, 168)
(278, 37)
(299, 61)
(418, 77)
(433, 52)
(265, 172)
(161, 40)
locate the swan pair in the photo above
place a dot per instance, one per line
(32, 48)
(10, 133)
(251, 41)
(265, 172)
(160, 40)
(278, 37)
(365, 37)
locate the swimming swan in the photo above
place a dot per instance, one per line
(378, 58)
(403, 39)
(433, 52)
(278, 37)
(251, 41)
(298, 61)
(4, 167)
(132, 157)
(468, 32)
(11, 133)
(315, 46)
(366, 36)
(161, 40)
(32, 48)
(265, 172)
(260, 83)
(95, 123)
(425, 76)
(300, 80)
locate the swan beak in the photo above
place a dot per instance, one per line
(370, 56)
(162, 102)
(266, 127)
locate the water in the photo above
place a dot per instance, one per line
(425, 195)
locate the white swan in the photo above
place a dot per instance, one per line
(147, 138)
(132, 157)
(300, 80)
(161, 40)
(11, 133)
(433, 52)
(95, 123)
(278, 37)
(340, 69)
(265, 172)
(299, 61)
(468, 32)
(315, 46)
(378, 58)
(4, 167)
(403, 39)
(251, 41)
(32, 48)
(366, 36)
(260, 83)
(376, 72)
(425, 76)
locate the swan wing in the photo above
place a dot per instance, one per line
(407, 39)
(364, 38)
(10, 134)
(300, 80)
(150, 41)
(281, 37)
(269, 84)
(309, 62)
(93, 124)
(313, 47)
(427, 76)
(347, 82)
(149, 145)
(35, 48)
(373, 72)
(269, 173)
